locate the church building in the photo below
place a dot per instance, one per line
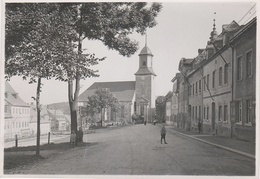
(134, 96)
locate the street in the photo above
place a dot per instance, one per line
(136, 150)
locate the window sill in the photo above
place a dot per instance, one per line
(248, 124)
(239, 123)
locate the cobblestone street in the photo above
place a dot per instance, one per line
(136, 150)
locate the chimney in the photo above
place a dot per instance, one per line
(200, 50)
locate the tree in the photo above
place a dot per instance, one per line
(40, 43)
(37, 46)
(101, 99)
(29, 47)
(110, 23)
(160, 108)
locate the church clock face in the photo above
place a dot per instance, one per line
(142, 77)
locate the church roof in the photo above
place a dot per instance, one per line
(145, 71)
(146, 51)
(13, 97)
(123, 90)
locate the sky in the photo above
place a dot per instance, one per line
(182, 29)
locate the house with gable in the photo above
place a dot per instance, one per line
(17, 114)
(44, 121)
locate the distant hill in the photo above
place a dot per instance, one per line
(64, 107)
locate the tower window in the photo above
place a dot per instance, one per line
(144, 63)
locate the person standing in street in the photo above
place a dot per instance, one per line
(163, 134)
(199, 126)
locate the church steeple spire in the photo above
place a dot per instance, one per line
(214, 33)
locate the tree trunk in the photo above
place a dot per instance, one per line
(38, 116)
(73, 100)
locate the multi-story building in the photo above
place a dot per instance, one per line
(244, 82)
(17, 114)
(218, 77)
(183, 119)
(222, 83)
(175, 98)
(195, 78)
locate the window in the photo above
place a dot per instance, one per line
(239, 111)
(144, 63)
(204, 80)
(193, 112)
(204, 111)
(220, 76)
(196, 112)
(199, 112)
(226, 74)
(207, 112)
(249, 64)
(207, 81)
(213, 79)
(199, 86)
(193, 89)
(220, 113)
(249, 111)
(225, 113)
(6, 95)
(239, 68)
(196, 87)
(6, 108)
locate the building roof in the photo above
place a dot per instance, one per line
(243, 29)
(13, 97)
(145, 71)
(146, 51)
(123, 90)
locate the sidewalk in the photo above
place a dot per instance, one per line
(238, 146)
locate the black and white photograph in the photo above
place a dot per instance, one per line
(110, 89)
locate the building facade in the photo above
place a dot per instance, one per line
(175, 98)
(222, 83)
(17, 114)
(244, 82)
(144, 85)
(183, 118)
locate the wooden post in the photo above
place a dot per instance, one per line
(16, 141)
(49, 135)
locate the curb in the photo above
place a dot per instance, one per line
(217, 145)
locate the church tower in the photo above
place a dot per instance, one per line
(144, 85)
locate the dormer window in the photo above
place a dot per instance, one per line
(144, 63)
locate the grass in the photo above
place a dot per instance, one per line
(22, 156)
